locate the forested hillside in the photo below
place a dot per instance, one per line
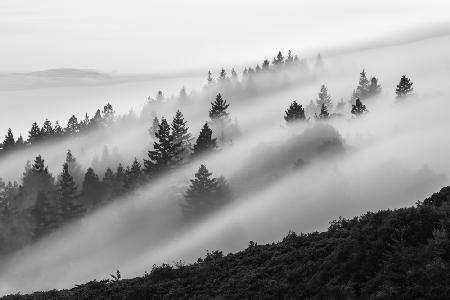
(389, 254)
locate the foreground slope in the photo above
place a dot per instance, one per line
(391, 254)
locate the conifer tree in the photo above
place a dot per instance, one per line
(74, 168)
(404, 88)
(44, 215)
(295, 112)
(20, 142)
(34, 135)
(9, 141)
(92, 189)
(109, 114)
(234, 75)
(210, 78)
(47, 129)
(289, 58)
(181, 138)
(154, 128)
(363, 86)
(279, 60)
(218, 109)
(257, 69)
(324, 98)
(374, 88)
(324, 115)
(66, 198)
(183, 94)
(58, 130)
(133, 175)
(164, 153)
(119, 181)
(205, 142)
(205, 193)
(311, 109)
(97, 120)
(108, 183)
(358, 108)
(72, 126)
(223, 75)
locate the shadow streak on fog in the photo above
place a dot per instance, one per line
(392, 157)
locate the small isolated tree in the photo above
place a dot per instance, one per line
(404, 88)
(205, 142)
(205, 193)
(218, 109)
(223, 75)
(324, 114)
(358, 108)
(295, 112)
(374, 88)
(324, 98)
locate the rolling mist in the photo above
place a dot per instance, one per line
(282, 177)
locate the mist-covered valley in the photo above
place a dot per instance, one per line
(280, 175)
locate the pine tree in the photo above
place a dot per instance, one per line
(66, 197)
(72, 126)
(279, 60)
(164, 154)
(119, 181)
(154, 128)
(295, 112)
(180, 136)
(108, 183)
(266, 65)
(257, 69)
(183, 94)
(374, 88)
(9, 141)
(97, 120)
(223, 75)
(44, 215)
(358, 108)
(133, 175)
(363, 86)
(92, 189)
(205, 193)
(47, 129)
(109, 114)
(324, 115)
(234, 75)
(218, 109)
(74, 168)
(205, 142)
(324, 98)
(58, 130)
(210, 79)
(289, 58)
(34, 135)
(20, 142)
(404, 88)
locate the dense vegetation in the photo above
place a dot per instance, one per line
(391, 254)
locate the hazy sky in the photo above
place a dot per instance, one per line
(155, 36)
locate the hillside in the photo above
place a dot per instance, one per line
(391, 254)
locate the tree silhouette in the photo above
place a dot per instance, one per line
(180, 136)
(34, 135)
(92, 189)
(324, 98)
(133, 175)
(218, 109)
(66, 197)
(205, 193)
(72, 126)
(47, 129)
(205, 142)
(358, 108)
(9, 141)
(295, 112)
(404, 88)
(324, 115)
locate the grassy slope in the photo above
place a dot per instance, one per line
(392, 254)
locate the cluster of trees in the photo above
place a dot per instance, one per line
(366, 88)
(389, 254)
(43, 203)
(48, 131)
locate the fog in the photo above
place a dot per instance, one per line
(389, 158)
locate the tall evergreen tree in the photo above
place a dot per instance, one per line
(180, 136)
(223, 75)
(68, 208)
(20, 142)
(74, 168)
(34, 135)
(58, 130)
(92, 189)
(119, 181)
(218, 109)
(295, 112)
(210, 78)
(358, 108)
(109, 114)
(404, 88)
(234, 75)
(324, 98)
(164, 154)
(133, 175)
(324, 115)
(205, 142)
(154, 128)
(9, 141)
(279, 60)
(289, 58)
(266, 65)
(73, 127)
(44, 215)
(47, 129)
(205, 193)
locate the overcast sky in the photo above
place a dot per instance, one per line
(174, 35)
